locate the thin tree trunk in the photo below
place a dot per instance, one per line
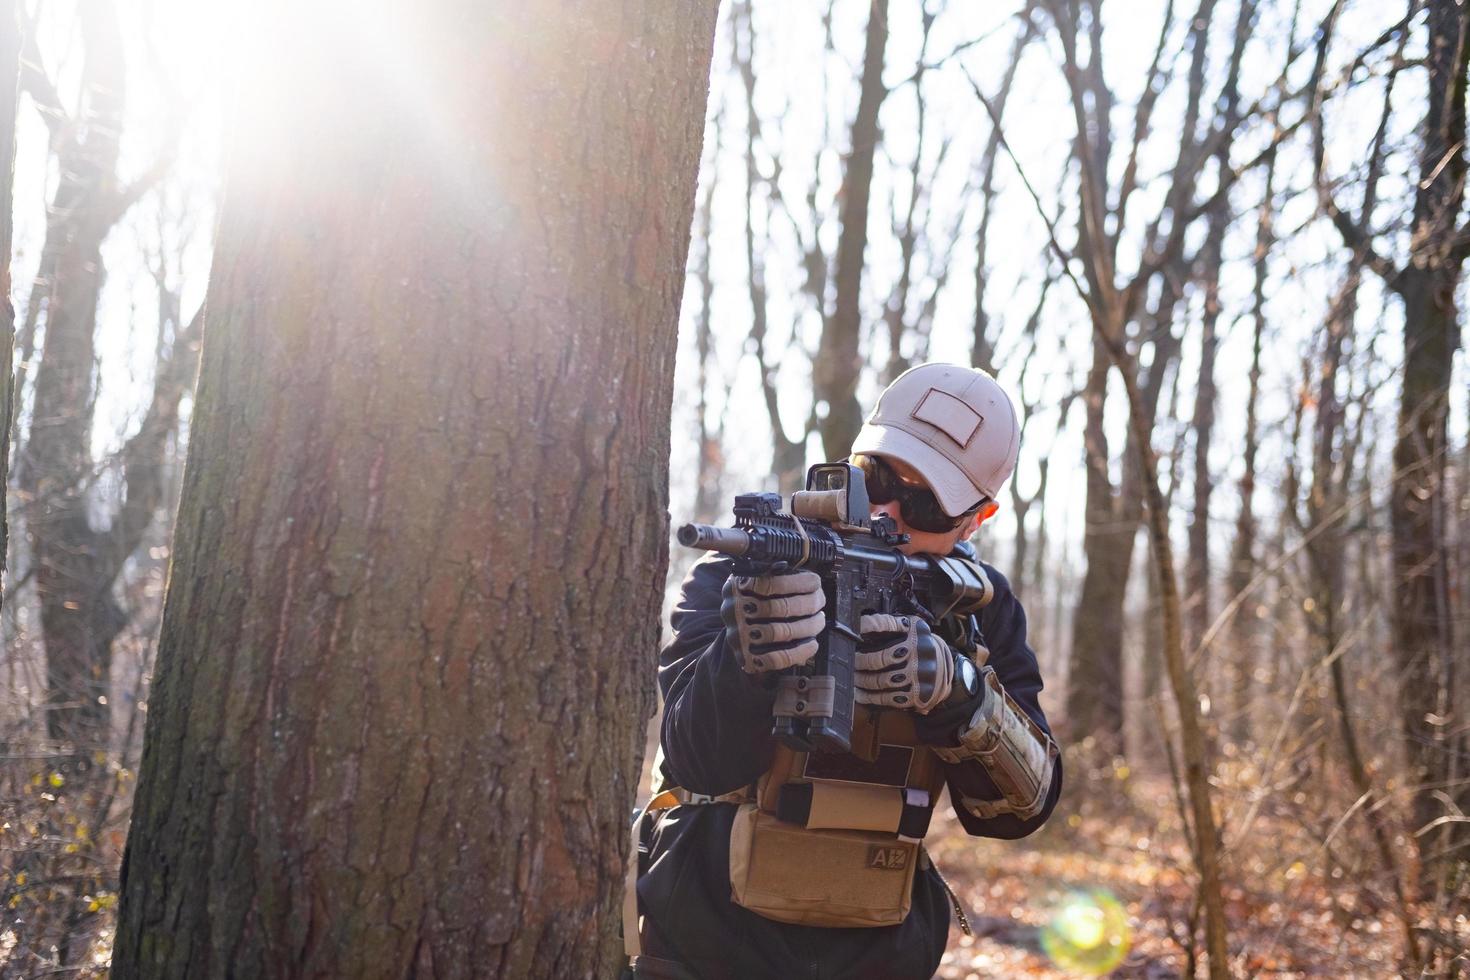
(76, 564)
(1197, 765)
(1198, 576)
(79, 616)
(838, 364)
(402, 680)
(788, 456)
(1245, 627)
(710, 465)
(9, 100)
(982, 344)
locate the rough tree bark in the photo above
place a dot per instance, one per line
(403, 676)
(838, 364)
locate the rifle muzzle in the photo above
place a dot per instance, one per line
(726, 540)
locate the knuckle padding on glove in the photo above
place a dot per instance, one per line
(771, 621)
(793, 583)
(884, 623)
(784, 607)
(893, 674)
(884, 658)
(779, 658)
(783, 631)
(884, 680)
(887, 699)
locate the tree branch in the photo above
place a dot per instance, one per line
(142, 454)
(1354, 235)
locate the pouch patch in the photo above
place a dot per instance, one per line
(881, 858)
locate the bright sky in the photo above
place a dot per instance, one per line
(792, 72)
(180, 53)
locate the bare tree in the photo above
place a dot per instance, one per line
(9, 80)
(1426, 282)
(838, 364)
(709, 502)
(788, 454)
(1115, 302)
(77, 564)
(1198, 577)
(1243, 547)
(982, 345)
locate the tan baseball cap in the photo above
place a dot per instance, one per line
(954, 425)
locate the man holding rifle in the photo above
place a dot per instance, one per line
(767, 857)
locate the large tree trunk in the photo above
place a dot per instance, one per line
(403, 675)
(838, 363)
(1422, 621)
(1095, 681)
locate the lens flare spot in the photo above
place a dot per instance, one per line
(1088, 933)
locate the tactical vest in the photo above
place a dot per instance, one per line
(835, 840)
(830, 839)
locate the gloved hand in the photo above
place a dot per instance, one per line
(772, 621)
(902, 664)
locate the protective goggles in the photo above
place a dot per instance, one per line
(918, 505)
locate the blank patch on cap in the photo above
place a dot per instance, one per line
(949, 415)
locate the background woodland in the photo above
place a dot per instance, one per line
(1214, 248)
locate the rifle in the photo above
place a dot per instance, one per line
(863, 571)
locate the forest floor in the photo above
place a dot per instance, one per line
(1303, 896)
(1118, 841)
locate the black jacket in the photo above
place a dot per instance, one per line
(716, 739)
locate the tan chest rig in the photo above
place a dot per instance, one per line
(835, 840)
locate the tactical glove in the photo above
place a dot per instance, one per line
(902, 664)
(772, 621)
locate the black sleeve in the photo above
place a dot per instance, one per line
(1003, 625)
(716, 731)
